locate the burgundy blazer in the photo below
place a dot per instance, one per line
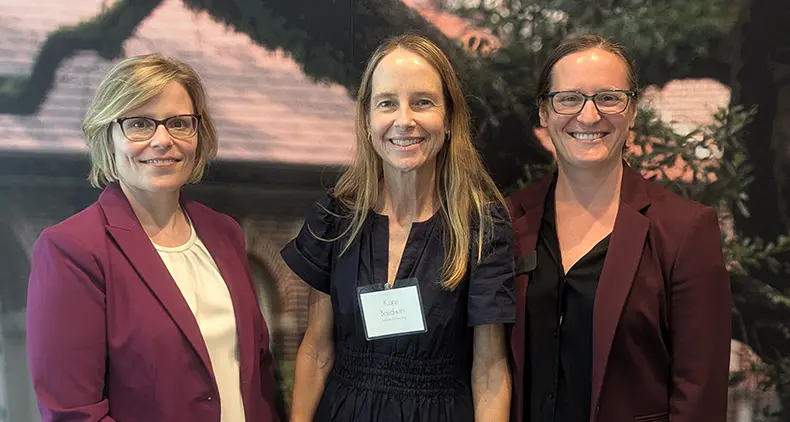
(661, 317)
(111, 338)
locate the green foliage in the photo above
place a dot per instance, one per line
(668, 38)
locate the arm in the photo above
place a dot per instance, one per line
(314, 359)
(700, 326)
(491, 306)
(66, 331)
(491, 383)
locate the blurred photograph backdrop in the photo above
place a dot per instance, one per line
(714, 125)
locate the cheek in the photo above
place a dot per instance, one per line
(190, 149)
(127, 151)
(379, 124)
(556, 123)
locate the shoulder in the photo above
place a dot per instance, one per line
(667, 207)
(675, 219)
(80, 238)
(327, 216)
(528, 197)
(87, 226)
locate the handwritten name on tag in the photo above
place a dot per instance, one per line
(392, 312)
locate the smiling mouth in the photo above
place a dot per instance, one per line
(161, 161)
(405, 142)
(587, 136)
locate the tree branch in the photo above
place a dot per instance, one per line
(104, 34)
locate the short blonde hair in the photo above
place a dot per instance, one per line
(129, 85)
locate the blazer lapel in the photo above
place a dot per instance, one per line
(617, 276)
(124, 227)
(526, 229)
(531, 203)
(232, 268)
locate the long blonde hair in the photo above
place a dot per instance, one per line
(465, 189)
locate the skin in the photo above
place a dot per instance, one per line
(589, 149)
(153, 187)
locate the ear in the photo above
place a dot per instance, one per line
(632, 123)
(544, 116)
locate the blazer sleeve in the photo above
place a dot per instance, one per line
(66, 330)
(700, 321)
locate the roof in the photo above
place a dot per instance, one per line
(265, 108)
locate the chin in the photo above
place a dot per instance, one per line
(165, 185)
(405, 166)
(591, 161)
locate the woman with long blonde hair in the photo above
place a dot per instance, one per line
(409, 259)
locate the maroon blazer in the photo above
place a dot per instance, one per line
(111, 338)
(661, 317)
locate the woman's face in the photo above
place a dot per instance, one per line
(162, 163)
(407, 116)
(589, 138)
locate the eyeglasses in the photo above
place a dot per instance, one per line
(606, 102)
(141, 129)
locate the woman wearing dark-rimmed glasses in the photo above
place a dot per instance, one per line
(623, 300)
(141, 307)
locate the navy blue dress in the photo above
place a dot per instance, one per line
(422, 377)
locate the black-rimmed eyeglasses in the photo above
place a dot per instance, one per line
(141, 129)
(606, 102)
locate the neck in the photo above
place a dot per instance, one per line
(591, 188)
(409, 196)
(156, 211)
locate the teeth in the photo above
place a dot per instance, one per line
(405, 142)
(588, 136)
(160, 161)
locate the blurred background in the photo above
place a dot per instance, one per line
(281, 77)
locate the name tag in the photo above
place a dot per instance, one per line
(391, 311)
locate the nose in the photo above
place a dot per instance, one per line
(404, 118)
(161, 138)
(589, 114)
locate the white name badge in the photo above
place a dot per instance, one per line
(391, 311)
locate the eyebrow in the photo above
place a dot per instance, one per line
(415, 94)
(582, 91)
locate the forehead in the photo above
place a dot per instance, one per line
(172, 100)
(590, 70)
(404, 71)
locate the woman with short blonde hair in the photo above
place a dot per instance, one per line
(141, 307)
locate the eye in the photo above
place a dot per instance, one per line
(138, 123)
(424, 102)
(385, 104)
(569, 98)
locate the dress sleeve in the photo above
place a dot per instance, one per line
(492, 278)
(309, 254)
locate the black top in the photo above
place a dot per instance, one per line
(416, 377)
(558, 380)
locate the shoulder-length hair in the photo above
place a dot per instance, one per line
(129, 85)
